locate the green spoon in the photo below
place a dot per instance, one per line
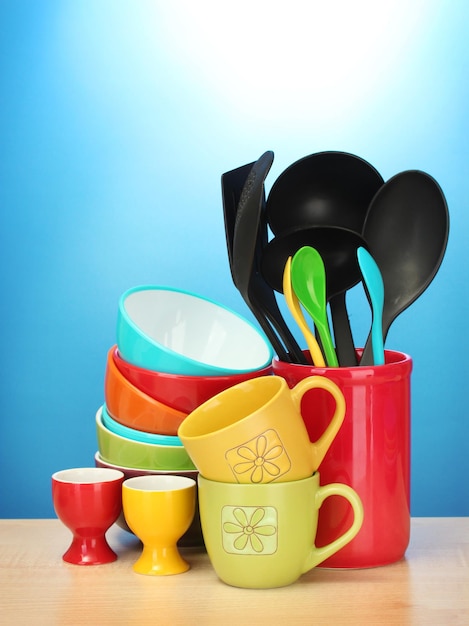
(308, 278)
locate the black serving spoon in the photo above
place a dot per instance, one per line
(406, 230)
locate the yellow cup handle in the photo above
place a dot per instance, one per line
(318, 555)
(322, 445)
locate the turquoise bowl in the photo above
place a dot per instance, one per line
(118, 450)
(137, 435)
(175, 331)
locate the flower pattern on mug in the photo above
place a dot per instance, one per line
(249, 530)
(260, 460)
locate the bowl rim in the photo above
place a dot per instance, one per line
(134, 434)
(185, 378)
(99, 422)
(181, 462)
(123, 468)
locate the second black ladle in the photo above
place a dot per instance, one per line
(338, 249)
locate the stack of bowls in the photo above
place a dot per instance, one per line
(174, 351)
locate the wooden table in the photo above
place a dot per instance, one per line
(430, 586)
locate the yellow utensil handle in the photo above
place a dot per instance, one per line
(295, 309)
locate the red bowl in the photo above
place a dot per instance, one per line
(184, 393)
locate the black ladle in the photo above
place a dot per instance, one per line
(325, 189)
(338, 249)
(246, 233)
(406, 230)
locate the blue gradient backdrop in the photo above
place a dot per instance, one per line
(117, 119)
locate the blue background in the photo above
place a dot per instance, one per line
(117, 120)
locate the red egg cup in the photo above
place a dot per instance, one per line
(88, 501)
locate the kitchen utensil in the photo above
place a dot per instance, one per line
(248, 237)
(295, 309)
(309, 282)
(232, 184)
(338, 249)
(325, 188)
(373, 283)
(406, 230)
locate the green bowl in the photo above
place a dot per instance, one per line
(119, 450)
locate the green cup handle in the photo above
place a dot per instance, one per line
(322, 445)
(318, 555)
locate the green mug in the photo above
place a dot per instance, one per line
(263, 536)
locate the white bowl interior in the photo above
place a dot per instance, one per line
(197, 329)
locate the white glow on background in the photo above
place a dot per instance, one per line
(301, 56)
(252, 58)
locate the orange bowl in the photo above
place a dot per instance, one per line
(133, 408)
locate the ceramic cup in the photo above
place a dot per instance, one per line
(262, 536)
(159, 510)
(254, 432)
(371, 453)
(88, 501)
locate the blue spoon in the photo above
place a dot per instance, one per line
(374, 286)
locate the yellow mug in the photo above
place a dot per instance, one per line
(253, 432)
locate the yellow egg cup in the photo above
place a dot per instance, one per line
(159, 510)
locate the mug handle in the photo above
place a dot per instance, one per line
(318, 555)
(322, 445)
